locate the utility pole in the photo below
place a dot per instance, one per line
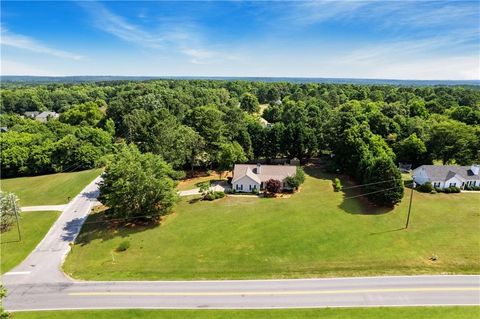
(16, 217)
(410, 205)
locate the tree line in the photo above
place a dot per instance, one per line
(365, 129)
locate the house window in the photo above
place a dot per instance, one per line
(436, 184)
(452, 185)
(236, 187)
(249, 187)
(241, 187)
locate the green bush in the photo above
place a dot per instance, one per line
(337, 185)
(219, 194)
(454, 189)
(425, 188)
(472, 188)
(124, 245)
(209, 196)
(214, 195)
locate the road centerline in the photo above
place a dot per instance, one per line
(269, 293)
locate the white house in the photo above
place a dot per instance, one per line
(46, 116)
(250, 177)
(42, 117)
(447, 175)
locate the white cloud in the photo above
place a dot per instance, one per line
(463, 14)
(173, 36)
(9, 67)
(199, 56)
(440, 68)
(10, 39)
(119, 27)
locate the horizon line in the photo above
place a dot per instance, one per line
(237, 76)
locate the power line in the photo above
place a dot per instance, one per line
(381, 182)
(379, 191)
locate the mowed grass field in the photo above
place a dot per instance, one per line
(314, 233)
(335, 313)
(52, 189)
(33, 226)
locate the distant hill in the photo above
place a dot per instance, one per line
(76, 79)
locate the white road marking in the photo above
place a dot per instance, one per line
(17, 273)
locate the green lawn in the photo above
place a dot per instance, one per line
(50, 189)
(33, 226)
(313, 233)
(332, 313)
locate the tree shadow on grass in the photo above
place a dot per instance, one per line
(99, 226)
(355, 206)
(194, 200)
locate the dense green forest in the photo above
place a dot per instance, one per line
(365, 129)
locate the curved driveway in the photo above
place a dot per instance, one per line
(39, 283)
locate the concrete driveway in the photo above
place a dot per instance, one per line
(42, 208)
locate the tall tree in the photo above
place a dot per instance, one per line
(249, 103)
(386, 187)
(412, 150)
(137, 185)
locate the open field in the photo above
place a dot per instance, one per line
(333, 313)
(34, 226)
(313, 233)
(50, 189)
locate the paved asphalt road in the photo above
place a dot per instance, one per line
(39, 283)
(339, 292)
(43, 264)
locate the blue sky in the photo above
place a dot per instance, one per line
(359, 39)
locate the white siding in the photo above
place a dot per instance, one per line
(245, 184)
(454, 180)
(438, 184)
(420, 176)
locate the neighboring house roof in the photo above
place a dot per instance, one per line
(264, 122)
(278, 172)
(47, 114)
(437, 173)
(31, 113)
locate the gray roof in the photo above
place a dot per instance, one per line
(47, 114)
(445, 172)
(31, 113)
(278, 172)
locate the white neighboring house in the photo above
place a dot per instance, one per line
(447, 175)
(46, 116)
(42, 117)
(250, 177)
